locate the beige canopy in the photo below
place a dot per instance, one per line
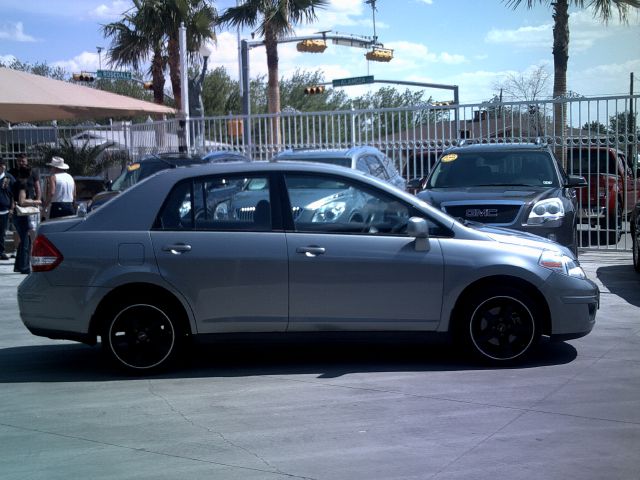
(25, 97)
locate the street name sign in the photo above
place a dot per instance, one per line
(113, 75)
(346, 82)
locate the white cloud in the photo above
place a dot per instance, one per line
(7, 59)
(114, 10)
(525, 37)
(586, 30)
(86, 61)
(14, 32)
(412, 55)
(428, 2)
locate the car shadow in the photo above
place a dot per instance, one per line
(621, 280)
(82, 363)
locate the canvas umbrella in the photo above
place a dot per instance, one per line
(25, 97)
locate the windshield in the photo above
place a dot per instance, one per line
(509, 168)
(584, 162)
(136, 172)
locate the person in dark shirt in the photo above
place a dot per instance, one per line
(21, 223)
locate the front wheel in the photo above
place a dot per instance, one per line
(140, 337)
(499, 324)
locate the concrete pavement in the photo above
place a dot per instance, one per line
(327, 411)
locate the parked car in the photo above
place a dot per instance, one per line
(612, 191)
(517, 186)
(136, 171)
(364, 158)
(634, 221)
(145, 274)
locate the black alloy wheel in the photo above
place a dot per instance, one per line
(140, 337)
(502, 326)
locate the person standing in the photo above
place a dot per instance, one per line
(34, 191)
(21, 223)
(6, 204)
(62, 189)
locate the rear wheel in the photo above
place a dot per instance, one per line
(141, 336)
(499, 324)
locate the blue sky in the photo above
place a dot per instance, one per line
(470, 43)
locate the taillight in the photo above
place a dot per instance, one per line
(44, 255)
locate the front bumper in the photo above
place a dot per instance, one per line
(573, 304)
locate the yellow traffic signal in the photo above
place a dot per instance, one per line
(313, 46)
(83, 77)
(314, 90)
(147, 85)
(380, 55)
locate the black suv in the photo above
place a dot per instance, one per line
(147, 166)
(517, 186)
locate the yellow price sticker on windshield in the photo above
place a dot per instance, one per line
(449, 158)
(133, 166)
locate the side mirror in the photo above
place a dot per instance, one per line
(576, 181)
(419, 228)
(415, 184)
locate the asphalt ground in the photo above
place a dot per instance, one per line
(346, 411)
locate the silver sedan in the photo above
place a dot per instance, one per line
(280, 247)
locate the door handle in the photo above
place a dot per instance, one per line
(311, 251)
(177, 249)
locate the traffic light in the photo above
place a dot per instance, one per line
(83, 77)
(147, 85)
(313, 46)
(314, 90)
(380, 55)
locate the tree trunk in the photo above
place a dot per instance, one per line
(174, 70)
(273, 86)
(560, 62)
(157, 75)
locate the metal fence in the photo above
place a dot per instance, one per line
(579, 130)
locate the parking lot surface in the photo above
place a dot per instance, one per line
(325, 411)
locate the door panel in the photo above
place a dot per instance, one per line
(234, 281)
(363, 282)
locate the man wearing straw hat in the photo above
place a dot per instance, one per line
(62, 189)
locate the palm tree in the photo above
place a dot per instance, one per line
(603, 9)
(274, 19)
(150, 29)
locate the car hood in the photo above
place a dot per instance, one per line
(516, 237)
(524, 194)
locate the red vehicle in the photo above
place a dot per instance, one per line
(613, 188)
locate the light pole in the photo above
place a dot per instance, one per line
(99, 49)
(196, 107)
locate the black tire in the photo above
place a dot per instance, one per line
(141, 337)
(498, 325)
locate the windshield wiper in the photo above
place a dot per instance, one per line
(504, 185)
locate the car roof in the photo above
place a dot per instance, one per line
(325, 152)
(490, 147)
(177, 159)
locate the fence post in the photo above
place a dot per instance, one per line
(353, 127)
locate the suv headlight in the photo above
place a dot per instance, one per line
(222, 211)
(329, 212)
(561, 263)
(545, 211)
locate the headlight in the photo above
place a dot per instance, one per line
(545, 211)
(561, 263)
(329, 212)
(222, 211)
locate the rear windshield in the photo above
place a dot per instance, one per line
(513, 168)
(585, 161)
